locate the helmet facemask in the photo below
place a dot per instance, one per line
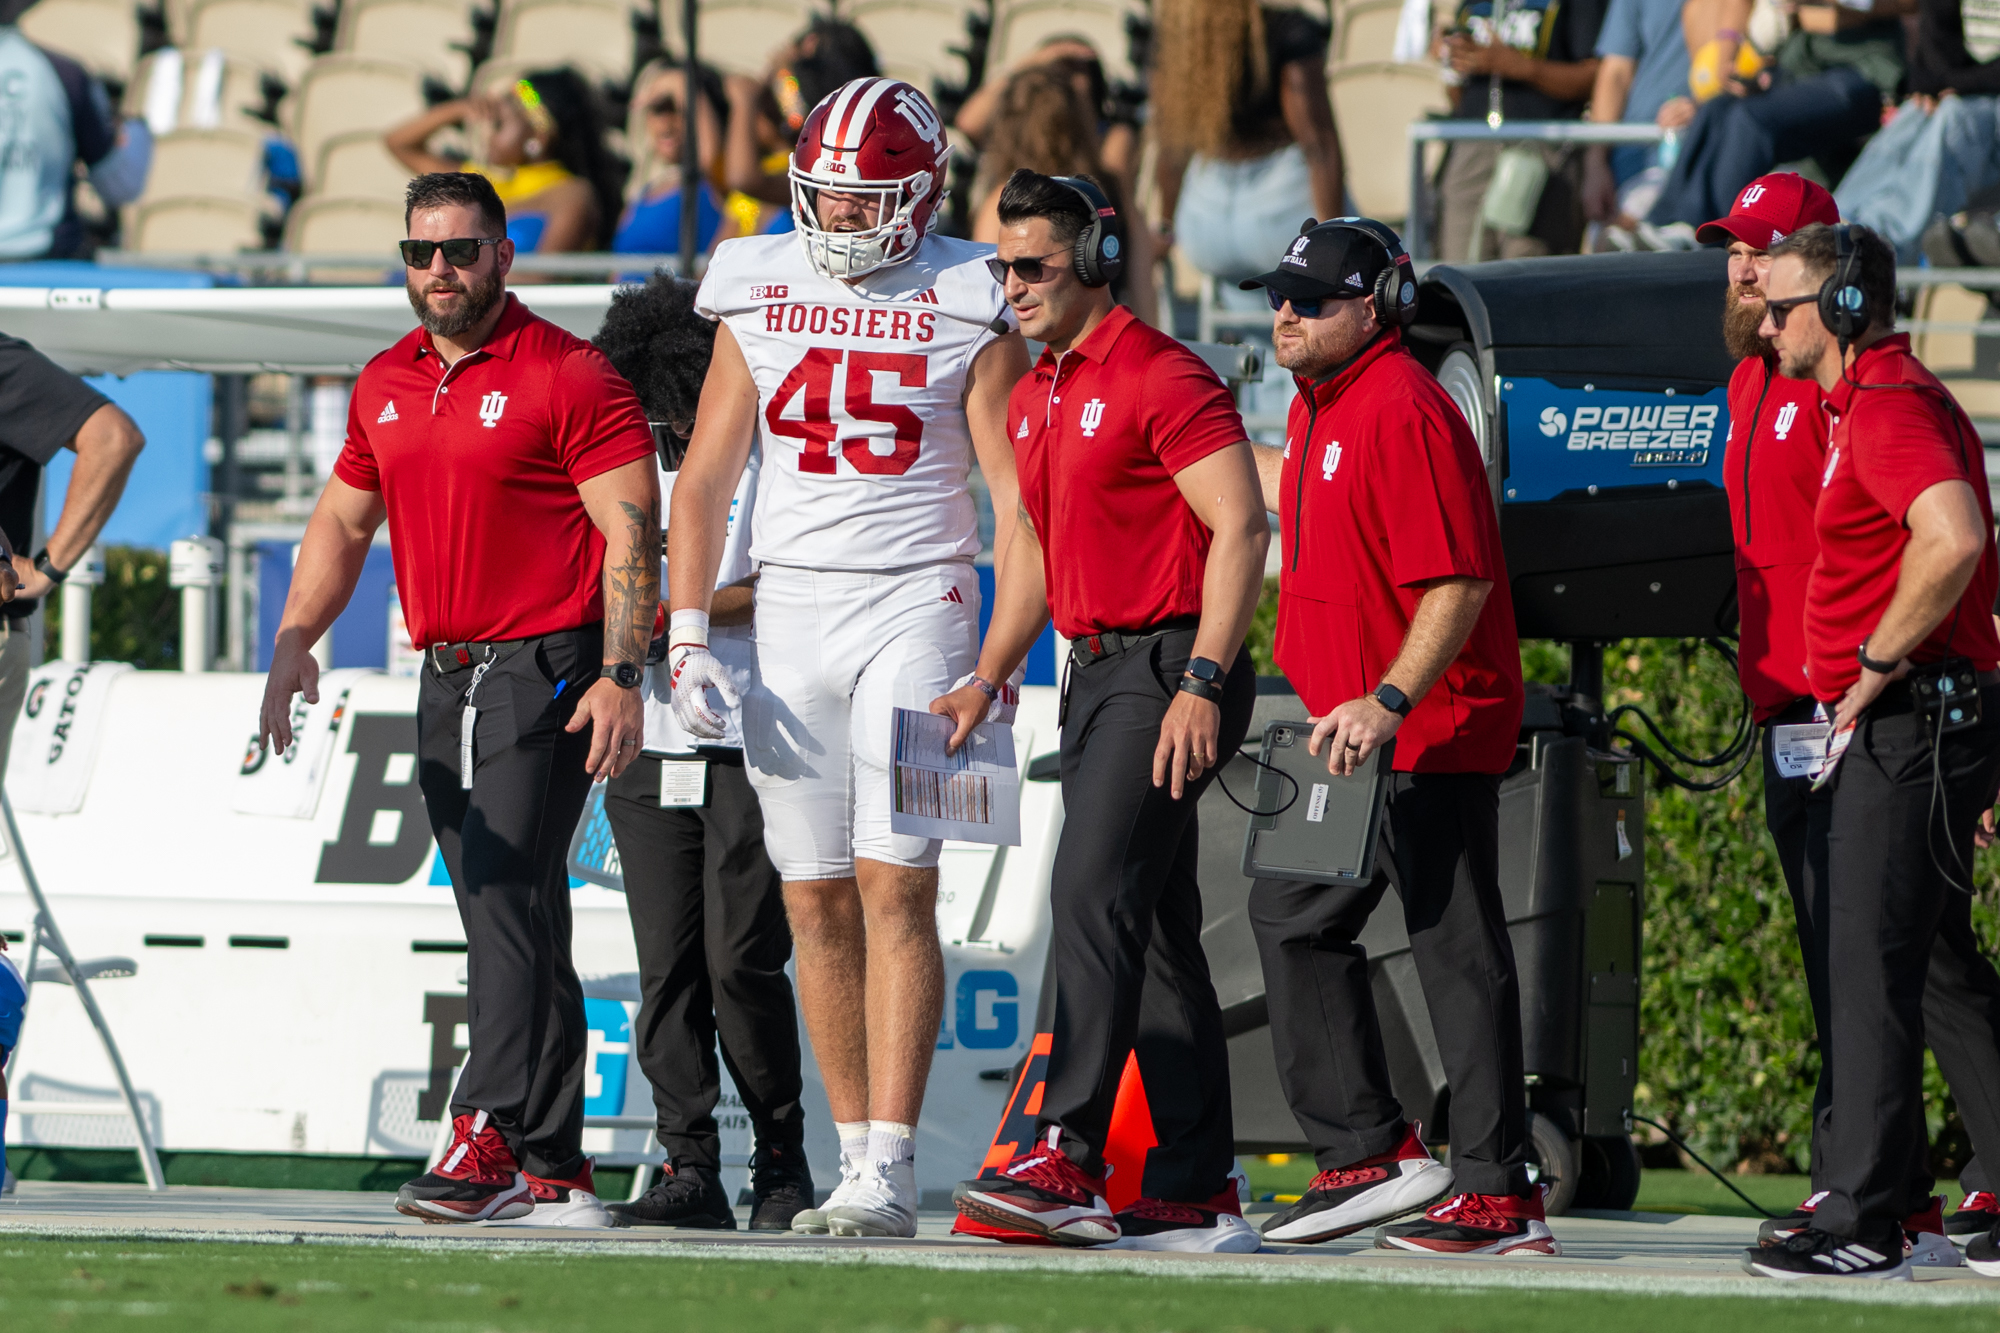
(892, 240)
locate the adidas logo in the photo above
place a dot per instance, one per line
(1354, 280)
(1022, 433)
(388, 413)
(952, 596)
(1849, 1258)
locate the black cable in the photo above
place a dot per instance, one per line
(1681, 1143)
(1735, 756)
(1243, 753)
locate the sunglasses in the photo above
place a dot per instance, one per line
(1780, 311)
(1028, 269)
(668, 105)
(1304, 309)
(460, 252)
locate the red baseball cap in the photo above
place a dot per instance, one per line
(1769, 209)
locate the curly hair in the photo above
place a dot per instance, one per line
(1043, 124)
(579, 145)
(1208, 58)
(655, 339)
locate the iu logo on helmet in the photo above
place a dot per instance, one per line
(923, 117)
(490, 408)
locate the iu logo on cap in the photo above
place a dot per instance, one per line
(490, 408)
(1750, 196)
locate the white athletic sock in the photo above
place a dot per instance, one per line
(853, 1139)
(889, 1141)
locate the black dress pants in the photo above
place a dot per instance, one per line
(1904, 809)
(709, 923)
(1961, 995)
(1440, 850)
(1125, 942)
(506, 843)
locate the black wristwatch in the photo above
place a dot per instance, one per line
(1206, 671)
(1392, 699)
(43, 565)
(627, 675)
(1870, 664)
(1201, 689)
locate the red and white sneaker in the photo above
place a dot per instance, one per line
(1376, 1189)
(1978, 1213)
(1041, 1193)
(478, 1180)
(1776, 1230)
(570, 1201)
(1215, 1227)
(1925, 1243)
(1475, 1224)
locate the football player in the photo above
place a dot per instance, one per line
(875, 358)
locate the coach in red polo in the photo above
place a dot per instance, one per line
(1394, 621)
(515, 468)
(1142, 532)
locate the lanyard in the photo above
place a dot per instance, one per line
(468, 722)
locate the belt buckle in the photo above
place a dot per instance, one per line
(1096, 644)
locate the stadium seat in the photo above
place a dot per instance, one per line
(425, 33)
(1955, 355)
(1374, 104)
(100, 35)
(1366, 32)
(594, 35)
(1019, 26)
(213, 164)
(339, 93)
(197, 90)
(329, 225)
(913, 38)
(194, 225)
(263, 32)
(355, 165)
(738, 36)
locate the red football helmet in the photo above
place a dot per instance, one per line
(875, 137)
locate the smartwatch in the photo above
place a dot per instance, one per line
(1860, 655)
(43, 565)
(624, 673)
(1206, 671)
(1392, 699)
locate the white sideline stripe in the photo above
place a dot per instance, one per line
(1478, 1274)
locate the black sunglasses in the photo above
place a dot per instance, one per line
(1304, 309)
(1027, 269)
(666, 105)
(1780, 311)
(459, 252)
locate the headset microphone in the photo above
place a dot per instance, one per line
(1000, 324)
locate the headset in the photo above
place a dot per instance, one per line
(1099, 254)
(1395, 286)
(1842, 306)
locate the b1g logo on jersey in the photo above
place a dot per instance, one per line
(922, 116)
(490, 408)
(774, 291)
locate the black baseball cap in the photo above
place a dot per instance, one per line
(1326, 262)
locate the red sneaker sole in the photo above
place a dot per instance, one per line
(1001, 1219)
(1532, 1245)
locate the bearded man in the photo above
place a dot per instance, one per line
(516, 471)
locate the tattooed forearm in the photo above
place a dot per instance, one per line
(1021, 515)
(632, 585)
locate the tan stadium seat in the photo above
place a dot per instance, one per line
(100, 35)
(198, 97)
(1374, 104)
(593, 35)
(356, 165)
(329, 225)
(1019, 26)
(1367, 32)
(426, 33)
(263, 32)
(1953, 354)
(913, 38)
(738, 36)
(341, 93)
(216, 164)
(194, 225)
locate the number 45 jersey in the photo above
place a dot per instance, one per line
(860, 399)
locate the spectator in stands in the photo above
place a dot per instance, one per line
(1642, 77)
(1818, 96)
(652, 220)
(1943, 147)
(56, 116)
(1248, 147)
(765, 116)
(541, 143)
(1540, 65)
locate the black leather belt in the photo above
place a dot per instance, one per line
(1112, 643)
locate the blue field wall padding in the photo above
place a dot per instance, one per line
(609, 1056)
(360, 636)
(987, 1014)
(165, 499)
(1041, 657)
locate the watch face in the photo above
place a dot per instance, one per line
(1203, 669)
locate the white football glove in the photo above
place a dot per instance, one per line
(1003, 708)
(693, 670)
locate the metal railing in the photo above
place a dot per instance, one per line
(279, 267)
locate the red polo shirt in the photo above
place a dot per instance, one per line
(478, 466)
(1889, 446)
(1771, 468)
(1099, 433)
(1383, 489)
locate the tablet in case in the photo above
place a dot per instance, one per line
(1309, 824)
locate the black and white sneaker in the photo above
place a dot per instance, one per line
(690, 1197)
(1978, 1213)
(1774, 1229)
(1982, 1255)
(1819, 1254)
(1379, 1189)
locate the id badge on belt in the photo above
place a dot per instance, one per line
(683, 783)
(1799, 751)
(468, 724)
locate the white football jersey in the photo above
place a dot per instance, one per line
(860, 398)
(733, 645)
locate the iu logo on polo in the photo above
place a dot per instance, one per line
(1786, 416)
(490, 408)
(1093, 416)
(1330, 462)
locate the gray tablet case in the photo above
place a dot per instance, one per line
(1324, 829)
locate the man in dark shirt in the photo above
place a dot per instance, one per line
(1536, 62)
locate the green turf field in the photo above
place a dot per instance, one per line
(73, 1284)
